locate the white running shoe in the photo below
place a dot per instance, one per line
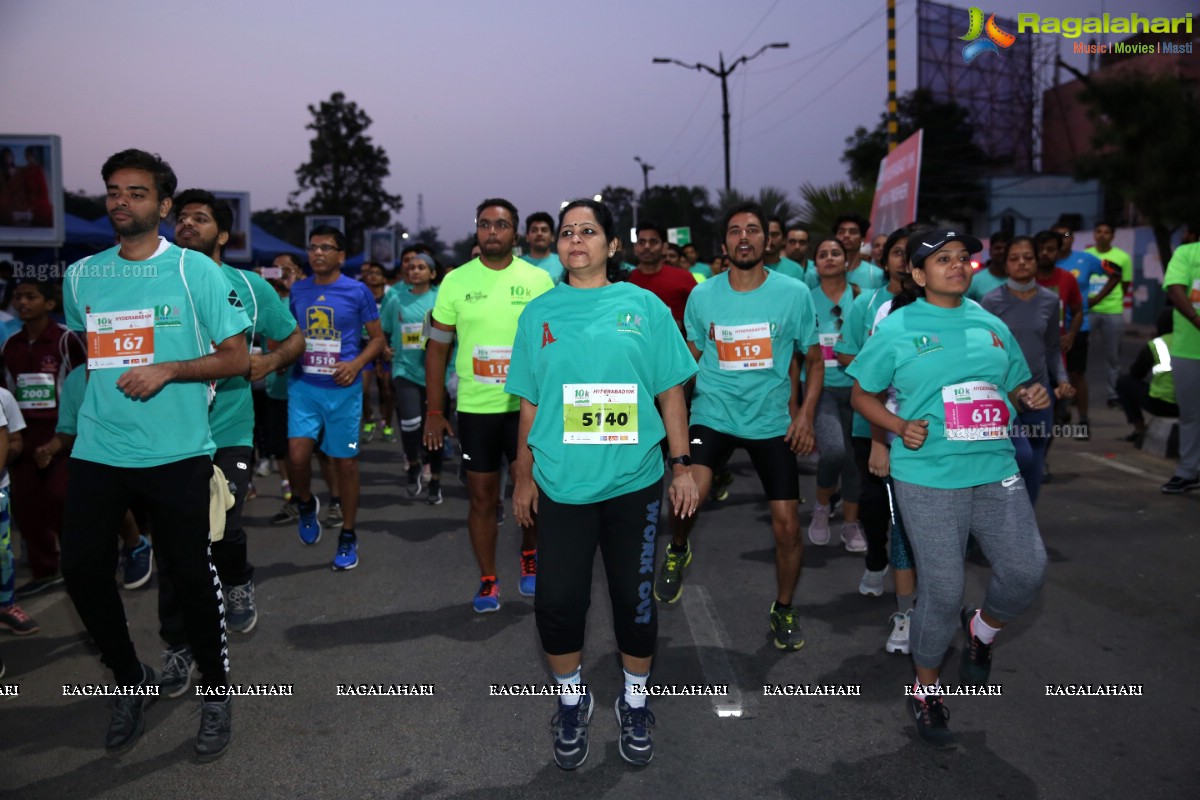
(897, 642)
(872, 582)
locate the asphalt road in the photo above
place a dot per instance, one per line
(1119, 607)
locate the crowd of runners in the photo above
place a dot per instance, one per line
(923, 387)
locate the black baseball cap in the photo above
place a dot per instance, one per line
(922, 244)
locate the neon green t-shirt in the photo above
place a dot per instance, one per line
(953, 367)
(746, 342)
(701, 269)
(231, 415)
(859, 324)
(593, 361)
(484, 304)
(1184, 270)
(403, 319)
(1115, 302)
(170, 307)
(831, 328)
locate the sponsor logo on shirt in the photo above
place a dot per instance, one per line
(234, 300)
(475, 297)
(319, 323)
(167, 316)
(628, 322)
(519, 295)
(547, 336)
(996, 341)
(927, 343)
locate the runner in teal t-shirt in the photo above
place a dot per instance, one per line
(161, 323)
(590, 359)
(875, 508)
(748, 328)
(404, 319)
(203, 224)
(833, 299)
(958, 372)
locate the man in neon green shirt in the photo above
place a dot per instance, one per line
(160, 325)
(1107, 316)
(1182, 283)
(480, 302)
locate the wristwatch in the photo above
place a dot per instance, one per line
(683, 461)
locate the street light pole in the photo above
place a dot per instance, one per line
(645, 174)
(723, 73)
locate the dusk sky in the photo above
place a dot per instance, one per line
(531, 100)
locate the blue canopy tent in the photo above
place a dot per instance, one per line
(263, 246)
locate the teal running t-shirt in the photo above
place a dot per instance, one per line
(832, 319)
(786, 266)
(69, 402)
(746, 342)
(859, 325)
(982, 282)
(231, 416)
(403, 321)
(866, 276)
(593, 361)
(550, 263)
(953, 367)
(171, 307)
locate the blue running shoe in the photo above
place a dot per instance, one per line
(310, 526)
(570, 726)
(138, 565)
(487, 599)
(528, 584)
(636, 744)
(347, 553)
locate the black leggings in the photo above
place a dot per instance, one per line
(176, 497)
(411, 408)
(624, 528)
(874, 508)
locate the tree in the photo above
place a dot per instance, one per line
(952, 165)
(282, 223)
(460, 251)
(620, 201)
(681, 206)
(345, 170)
(82, 204)
(1143, 147)
(823, 204)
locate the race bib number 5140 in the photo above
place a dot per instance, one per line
(600, 413)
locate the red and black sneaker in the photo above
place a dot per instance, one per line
(931, 717)
(976, 662)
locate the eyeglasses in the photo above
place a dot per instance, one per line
(487, 225)
(322, 248)
(837, 316)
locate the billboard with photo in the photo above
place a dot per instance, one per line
(381, 247)
(317, 220)
(31, 195)
(239, 247)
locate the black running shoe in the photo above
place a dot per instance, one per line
(931, 717)
(636, 744)
(976, 656)
(216, 729)
(128, 720)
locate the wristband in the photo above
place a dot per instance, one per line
(431, 412)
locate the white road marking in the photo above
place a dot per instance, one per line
(1110, 462)
(712, 646)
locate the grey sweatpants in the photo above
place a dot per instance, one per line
(937, 522)
(1107, 330)
(832, 431)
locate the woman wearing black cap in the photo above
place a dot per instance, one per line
(958, 374)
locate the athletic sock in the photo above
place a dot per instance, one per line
(917, 687)
(636, 698)
(570, 679)
(981, 630)
(348, 533)
(334, 500)
(679, 549)
(904, 603)
(308, 506)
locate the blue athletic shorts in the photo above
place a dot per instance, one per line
(336, 411)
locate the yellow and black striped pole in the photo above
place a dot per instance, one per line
(893, 125)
